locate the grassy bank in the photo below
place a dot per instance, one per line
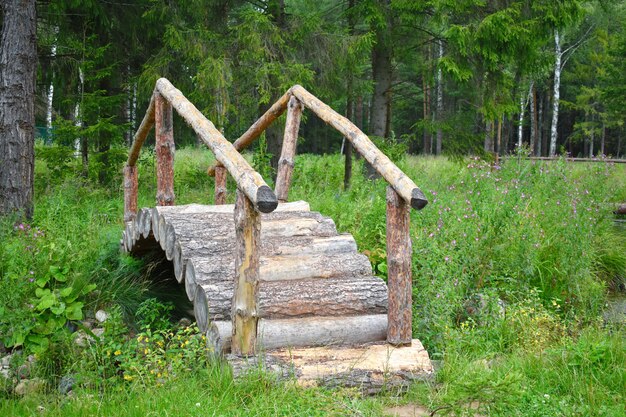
(512, 265)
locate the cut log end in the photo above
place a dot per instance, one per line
(418, 199)
(266, 200)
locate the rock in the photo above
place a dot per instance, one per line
(101, 316)
(184, 322)
(6, 361)
(5, 366)
(29, 386)
(87, 324)
(23, 372)
(82, 339)
(66, 384)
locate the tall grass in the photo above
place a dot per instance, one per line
(511, 265)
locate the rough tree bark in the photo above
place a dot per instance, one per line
(18, 67)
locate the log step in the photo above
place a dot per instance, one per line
(370, 367)
(308, 331)
(343, 296)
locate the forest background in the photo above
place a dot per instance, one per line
(438, 76)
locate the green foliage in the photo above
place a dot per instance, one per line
(261, 160)
(154, 315)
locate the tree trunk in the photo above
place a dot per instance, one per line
(592, 138)
(428, 145)
(540, 137)
(347, 145)
(439, 101)
(520, 126)
(557, 91)
(489, 136)
(382, 76)
(18, 68)
(533, 120)
(602, 140)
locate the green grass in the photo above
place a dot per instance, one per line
(511, 267)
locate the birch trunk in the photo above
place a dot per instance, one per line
(533, 119)
(557, 91)
(520, 126)
(439, 102)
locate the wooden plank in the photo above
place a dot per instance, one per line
(164, 129)
(258, 127)
(399, 270)
(130, 193)
(405, 187)
(220, 185)
(248, 180)
(288, 152)
(141, 134)
(244, 310)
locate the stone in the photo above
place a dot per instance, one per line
(66, 384)
(184, 322)
(29, 386)
(23, 372)
(101, 316)
(82, 339)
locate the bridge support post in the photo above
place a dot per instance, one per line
(400, 315)
(164, 147)
(244, 310)
(130, 193)
(288, 152)
(220, 185)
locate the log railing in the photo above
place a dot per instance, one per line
(402, 194)
(253, 196)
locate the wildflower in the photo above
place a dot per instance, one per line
(128, 377)
(117, 352)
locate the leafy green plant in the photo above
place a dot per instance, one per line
(261, 160)
(154, 315)
(55, 303)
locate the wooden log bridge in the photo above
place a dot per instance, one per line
(272, 279)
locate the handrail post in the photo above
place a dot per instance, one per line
(288, 152)
(399, 330)
(130, 193)
(164, 147)
(244, 314)
(220, 185)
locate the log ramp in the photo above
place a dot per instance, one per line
(272, 283)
